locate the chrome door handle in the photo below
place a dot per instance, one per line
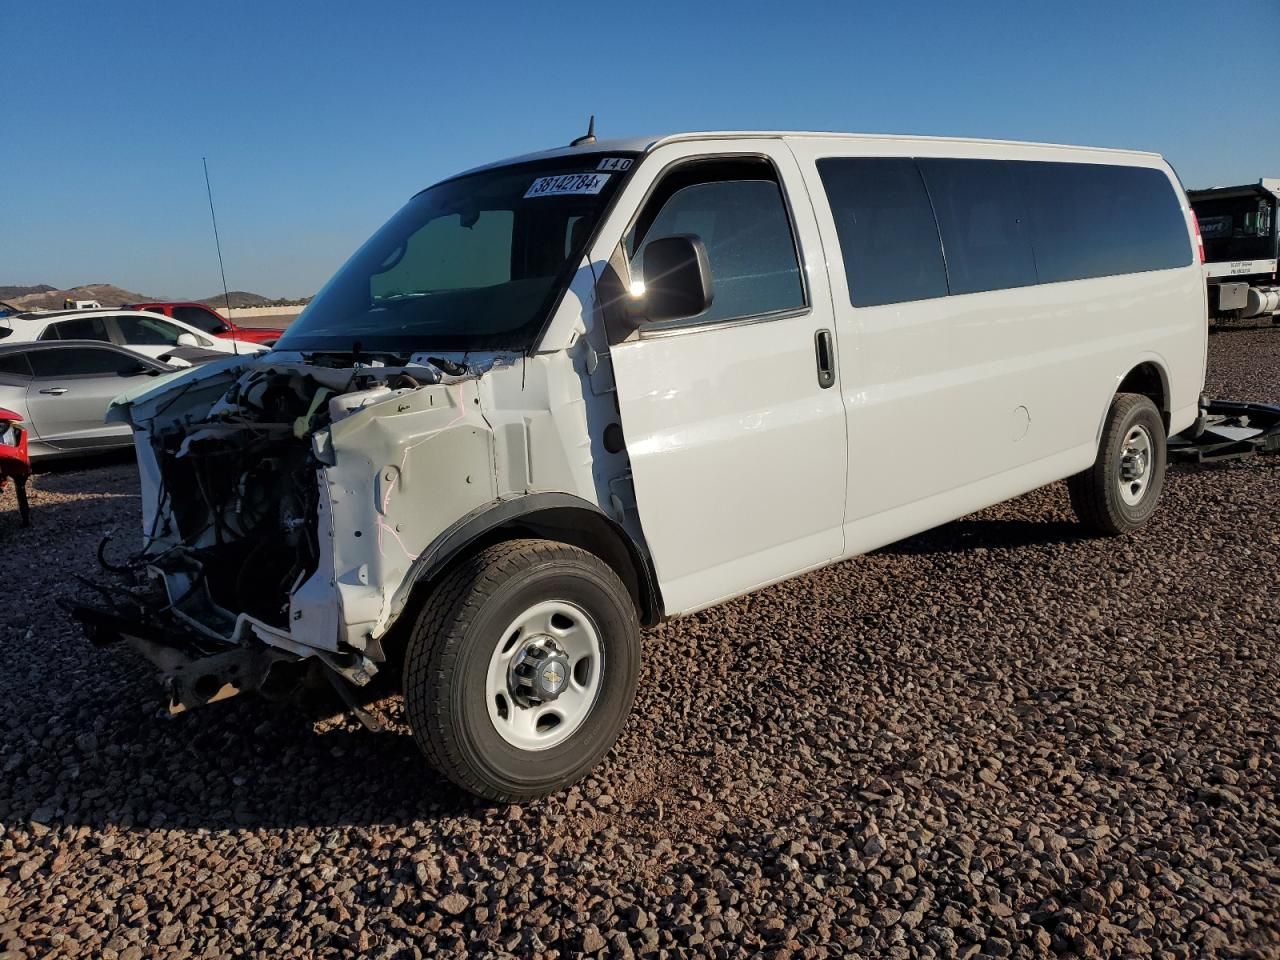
(55, 391)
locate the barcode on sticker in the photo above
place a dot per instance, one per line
(566, 183)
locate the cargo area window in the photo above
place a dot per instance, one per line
(1097, 220)
(985, 238)
(914, 229)
(736, 208)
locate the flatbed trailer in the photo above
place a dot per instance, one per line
(1240, 229)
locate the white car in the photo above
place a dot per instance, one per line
(561, 397)
(141, 331)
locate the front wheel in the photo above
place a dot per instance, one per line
(1119, 492)
(521, 669)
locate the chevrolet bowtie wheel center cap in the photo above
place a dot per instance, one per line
(539, 671)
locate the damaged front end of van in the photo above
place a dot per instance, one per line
(283, 505)
(293, 501)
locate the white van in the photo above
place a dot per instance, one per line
(561, 397)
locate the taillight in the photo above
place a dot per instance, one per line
(1195, 222)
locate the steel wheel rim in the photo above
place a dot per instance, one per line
(1137, 456)
(517, 713)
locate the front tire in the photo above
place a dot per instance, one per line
(521, 669)
(1119, 492)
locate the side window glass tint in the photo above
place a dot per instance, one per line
(15, 365)
(985, 239)
(750, 247)
(148, 331)
(888, 237)
(77, 362)
(1095, 220)
(200, 319)
(81, 328)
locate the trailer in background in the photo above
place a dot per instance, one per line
(1241, 233)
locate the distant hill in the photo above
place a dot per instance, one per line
(12, 292)
(42, 296)
(239, 298)
(242, 298)
(46, 297)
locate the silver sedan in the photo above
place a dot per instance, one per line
(62, 389)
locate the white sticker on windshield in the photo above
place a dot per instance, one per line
(614, 163)
(566, 183)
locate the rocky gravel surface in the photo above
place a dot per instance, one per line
(998, 739)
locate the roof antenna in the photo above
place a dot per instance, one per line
(235, 346)
(590, 138)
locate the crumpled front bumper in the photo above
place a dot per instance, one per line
(194, 670)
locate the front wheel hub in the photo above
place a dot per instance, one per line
(539, 671)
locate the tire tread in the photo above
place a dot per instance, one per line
(1090, 488)
(437, 641)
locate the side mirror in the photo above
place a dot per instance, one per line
(188, 340)
(677, 278)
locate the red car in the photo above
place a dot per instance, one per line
(15, 463)
(210, 321)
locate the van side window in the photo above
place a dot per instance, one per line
(737, 210)
(1095, 220)
(985, 237)
(888, 237)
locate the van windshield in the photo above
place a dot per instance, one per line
(474, 263)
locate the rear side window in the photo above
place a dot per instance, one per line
(15, 365)
(985, 237)
(72, 362)
(81, 328)
(888, 237)
(1094, 220)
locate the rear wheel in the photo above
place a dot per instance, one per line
(1120, 491)
(521, 668)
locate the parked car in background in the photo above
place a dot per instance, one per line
(150, 333)
(61, 390)
(205, 318)
(15, 458)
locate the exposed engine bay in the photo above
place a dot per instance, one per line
(250, 532)
(247, 560)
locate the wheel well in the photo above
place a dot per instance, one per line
(586, 529)
(1148, 379)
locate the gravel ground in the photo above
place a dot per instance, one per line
(995, 739)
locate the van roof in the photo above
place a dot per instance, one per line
(646, 144)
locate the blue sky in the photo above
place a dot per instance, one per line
(320, 119)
